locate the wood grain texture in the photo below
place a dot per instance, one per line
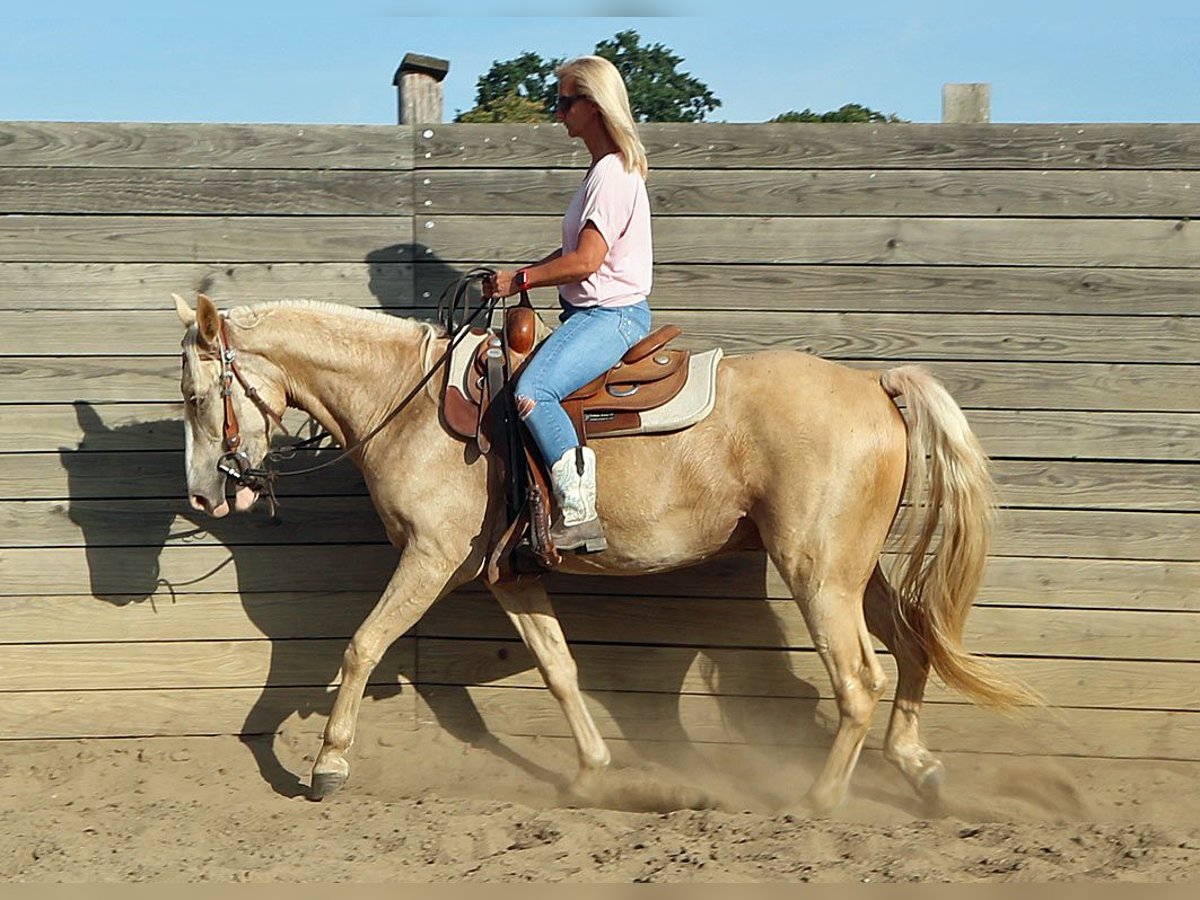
(186, 712)
(904, 337)
(829, 146)
(817, 288)
(890, 288)
(817, 192)
(205, 238)
(1049, 484)
(308, 192)
(846, 240)
(1120, 734)
(159, 574)
(1057, 435)
(635, 618)
(118, 522)
(205, 146)
(974, 385)
(148, 286)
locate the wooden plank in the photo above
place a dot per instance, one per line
(1000, 385)
(1097, 535)
(205, 146)
(815, 192)
(842, 239)
(209, 238)
(148, 286)
(117, 522)
(816, 288)
(888, 288)
(1063, 435)
(1119, 734)
(717, 623)
(89, 474)
(150, 713)
(921, 337)
(1097, 684)
(289, 619)
(1088, 435)
(1123, 485)
(847, 336)
(83, 475)
(829, 146)
(190, 664)
(106, 428)
(313, 192)
(125, 575)
(633, 618)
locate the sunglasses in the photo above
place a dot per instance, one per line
(565, 101)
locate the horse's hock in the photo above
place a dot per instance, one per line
(1044, 279)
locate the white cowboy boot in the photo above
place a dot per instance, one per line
(573, 478)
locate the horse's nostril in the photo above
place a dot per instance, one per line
(199, 503)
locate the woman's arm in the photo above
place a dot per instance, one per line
(557, 268)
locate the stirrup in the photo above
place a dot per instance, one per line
(585, 537)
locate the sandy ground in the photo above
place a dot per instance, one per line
(428, 807)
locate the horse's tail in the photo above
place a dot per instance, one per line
(944, 535)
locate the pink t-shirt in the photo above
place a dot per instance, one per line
(615, 201)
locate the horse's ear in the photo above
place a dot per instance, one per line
(208, 321)
(187, 315)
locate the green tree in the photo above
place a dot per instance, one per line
(851, 112)
(514, 87)
(512, 107)
(658, 91)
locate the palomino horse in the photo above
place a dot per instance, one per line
(801, 457)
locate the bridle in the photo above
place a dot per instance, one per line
(233, 462)
(455, 316)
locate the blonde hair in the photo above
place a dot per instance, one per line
(598, 80)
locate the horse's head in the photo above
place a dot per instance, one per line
(229, 398)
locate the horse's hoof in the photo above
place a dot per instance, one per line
(929, 785)
(324, 784)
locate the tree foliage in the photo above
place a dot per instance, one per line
(851, 112)
(513, 89)
(658, 91)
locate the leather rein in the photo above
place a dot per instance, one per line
(235, 464)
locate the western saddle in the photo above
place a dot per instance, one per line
(478, 406)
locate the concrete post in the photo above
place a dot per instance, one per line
(967, 104)
(419, 83)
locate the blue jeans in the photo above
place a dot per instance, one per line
(589, 342)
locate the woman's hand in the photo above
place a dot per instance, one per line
(499, 285)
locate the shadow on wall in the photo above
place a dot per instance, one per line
(126, 541)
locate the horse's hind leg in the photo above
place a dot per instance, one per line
(903, 745)
(832, 607)
(533, 616)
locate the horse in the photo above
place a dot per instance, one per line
(801, 457)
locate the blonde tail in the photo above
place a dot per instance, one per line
(944, 536)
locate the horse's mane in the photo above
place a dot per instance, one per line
(244, 316)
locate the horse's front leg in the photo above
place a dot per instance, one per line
(421, 578)
(531, 612)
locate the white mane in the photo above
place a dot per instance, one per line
(245, 316)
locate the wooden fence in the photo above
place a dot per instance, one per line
(1048, 274)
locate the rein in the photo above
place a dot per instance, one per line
(453, 314)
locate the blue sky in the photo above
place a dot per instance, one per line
(298, 62)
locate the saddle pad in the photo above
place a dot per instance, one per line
(462, 361)
(693, 403)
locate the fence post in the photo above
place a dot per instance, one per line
(967, 104)
(419, 83)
